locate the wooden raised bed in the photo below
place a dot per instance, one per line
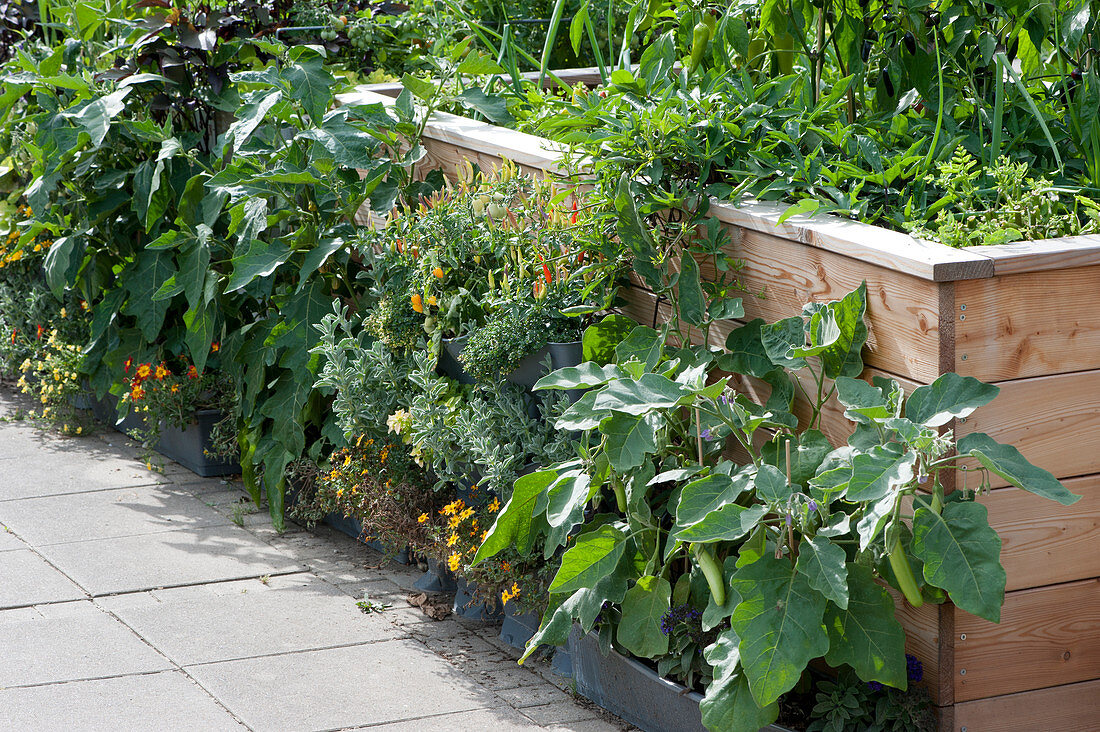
(1023, 316)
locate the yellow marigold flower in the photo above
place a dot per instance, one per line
(422, 518)
(494, 506)
(504, 566)
(144, 370)
(453, 523)
(452, 562)
(452, 539)
(162, 371)
(347, 460)
(466, 514)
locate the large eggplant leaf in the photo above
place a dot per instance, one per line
(863, 403)
(585, 376)
(1007, 462)
(645, 604)
(781, 338)
(692, 303)
(700, 497)
(729, 706)
(630, 438)
(844, 356)
(649, 393)
(962, 554)
(878, 472)
(808, 449)
(779, 622)
(865, 635)
(513, 523)
(946, 398)
(641, 344)
(592, 557)
(745, 352)
(825, 566)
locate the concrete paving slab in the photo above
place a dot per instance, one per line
(106, 514)
(85, 644)
(256, 620)
(54, 465)
(190, 556)
(9, 541)
(501, 719)
(166, 702)
(341, 687)
(30, 580)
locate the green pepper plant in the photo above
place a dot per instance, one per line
(688, 502)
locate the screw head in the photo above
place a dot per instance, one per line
(962, 317)
(962, 307)
(962, 637)
(964, 357)
(962, 672)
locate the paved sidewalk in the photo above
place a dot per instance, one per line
(132, 600)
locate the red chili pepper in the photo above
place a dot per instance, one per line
(574, 212)
(41, 330)
(13, 332)
(546, 273)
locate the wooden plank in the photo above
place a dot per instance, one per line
(1054, 421)
(929, 635)
(587, 75)
(902, 310)
(1072, 708)
(1038, 256)
(1044, 542)
(1033, 324)
(872, 244)
(1047, 636)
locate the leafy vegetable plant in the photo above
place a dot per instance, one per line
(686, 492)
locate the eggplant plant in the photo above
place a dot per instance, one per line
(689, 501)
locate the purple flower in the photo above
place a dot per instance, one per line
(813, 506)
(922, 478)
(790, 521)
(725, 399)
(707, 435)
(679, 614)
(874, 686)
(914, 669)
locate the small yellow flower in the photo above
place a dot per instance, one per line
(452, 539)
(423, 518)
(453, 560)
(494, 506)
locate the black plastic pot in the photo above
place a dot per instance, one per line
(531, 369)
(438, 578)
(465, 606)
(516, 630)
(632, 690)
(448, 364)
(189, 446)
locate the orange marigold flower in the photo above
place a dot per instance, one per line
(144, 370)
(127, 365)
(175, 388)
(215, 347)
(138, 392)
(162, 371)
(192, 372)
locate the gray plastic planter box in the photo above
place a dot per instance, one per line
(633, 691)
(189, 447)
